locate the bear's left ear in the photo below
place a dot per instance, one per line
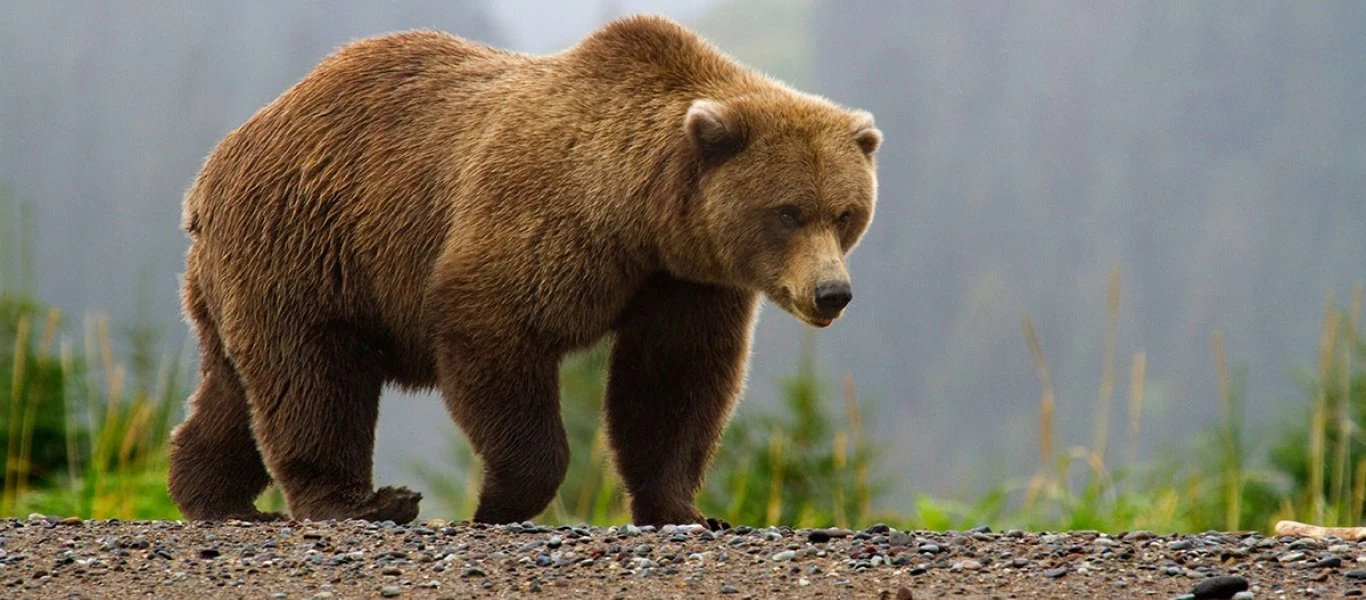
(866, 134)
(713, 128)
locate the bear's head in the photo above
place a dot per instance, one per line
(787, 187)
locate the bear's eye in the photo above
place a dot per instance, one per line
(844, 219)
(789, 216)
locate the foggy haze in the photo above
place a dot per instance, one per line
(1214, 152)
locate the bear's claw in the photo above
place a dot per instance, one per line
(391, 503)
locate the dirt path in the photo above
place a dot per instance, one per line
(46, 558)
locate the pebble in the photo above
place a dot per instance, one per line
(1221, 586)
(1291, 557)
(1356, 574)
(729, 589)
(1244, 595)
(1329, 562)
(785, 555)
(1055, 573)
(389, 591)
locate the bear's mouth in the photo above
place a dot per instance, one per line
(784, 299)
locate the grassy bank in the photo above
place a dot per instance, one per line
(88, 408)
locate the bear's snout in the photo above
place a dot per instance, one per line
(833, 296)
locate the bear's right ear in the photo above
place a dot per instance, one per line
(713, 129)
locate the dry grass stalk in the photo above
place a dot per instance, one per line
(854, 414)
(1047, 400)
(1319, 427)
(1107, 374)
(1136, 377)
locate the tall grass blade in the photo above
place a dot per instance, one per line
(1231, 441)
(15, 395)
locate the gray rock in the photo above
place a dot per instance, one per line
(1222, 586)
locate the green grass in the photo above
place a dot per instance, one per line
(87, 416)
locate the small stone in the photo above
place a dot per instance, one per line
(904, 593)
(1055, 573)
(1180, 545)
(1244, 595)
(474, 572)
(1329, 562)
(389, 591)
(392, 571)
(1221, 586)
(1142, 534)
(1306, 544)
(279, 595)
(930, 549)
(555, 541)
(729, 589)
(970, 565)
(209, 553)
(879, 528)
(1291, 557)
(784, 556)
(1356, 574)
(323, 596)
(819, 536)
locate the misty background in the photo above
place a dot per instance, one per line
(1213, 152)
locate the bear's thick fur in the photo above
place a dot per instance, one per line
(426, 211)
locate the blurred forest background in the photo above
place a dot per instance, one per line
(1211, 154)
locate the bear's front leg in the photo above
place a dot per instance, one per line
(677, 368)
(504, 394)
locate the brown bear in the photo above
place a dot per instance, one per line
(425, 211)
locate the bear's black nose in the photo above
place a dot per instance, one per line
(831, 297)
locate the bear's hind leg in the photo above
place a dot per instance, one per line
(314, 410)
(216, 472)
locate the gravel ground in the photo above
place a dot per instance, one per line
(54, 558)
